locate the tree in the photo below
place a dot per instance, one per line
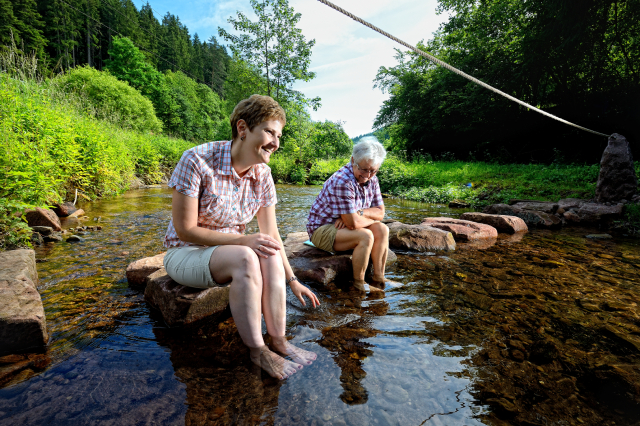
(578, 62)
(274, 45)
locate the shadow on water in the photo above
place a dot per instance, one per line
(530, 330)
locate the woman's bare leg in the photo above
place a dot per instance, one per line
(240, 266)
(274, 308)
(380, 249)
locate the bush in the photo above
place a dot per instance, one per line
(107, 98)
(14, 231)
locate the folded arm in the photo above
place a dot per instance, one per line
(355, 221)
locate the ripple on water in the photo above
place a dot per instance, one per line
(531, 328)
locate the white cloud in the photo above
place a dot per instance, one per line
(347, 54)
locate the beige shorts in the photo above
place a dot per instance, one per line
(324, 237)
(189, 266)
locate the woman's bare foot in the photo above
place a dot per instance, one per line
(383, 282)
(362, 286)
(282, 345)
(273, 364)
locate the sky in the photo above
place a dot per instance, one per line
(346, 56)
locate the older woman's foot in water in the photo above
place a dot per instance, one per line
(382, 282)
(362, 286)
(282, 346)
(274, 364)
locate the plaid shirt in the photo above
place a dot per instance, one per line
(342, 194)
(226, 202)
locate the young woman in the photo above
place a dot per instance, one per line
(218, 187)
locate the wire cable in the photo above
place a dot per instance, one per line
(455, 70)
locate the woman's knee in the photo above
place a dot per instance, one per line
(380, 231)
(365, 236)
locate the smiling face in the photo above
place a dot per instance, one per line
(263, 140)
(364, 170)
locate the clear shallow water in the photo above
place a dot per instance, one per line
(441, 350)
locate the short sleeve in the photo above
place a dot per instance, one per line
(377, 196)
(186, 176)
(268, 190)
(342, 199)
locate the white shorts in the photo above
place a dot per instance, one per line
(189, 266)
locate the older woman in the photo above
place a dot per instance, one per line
(347, 214)
(218, 187)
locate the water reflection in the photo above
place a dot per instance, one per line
(536, 329)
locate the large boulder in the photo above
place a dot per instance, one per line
(318, 266)
(419, 238)
(22, 320)
(503, 223)
(462, 230)
(617, 179)
(138, 271)
(530, 217)
(64, 209)
(43, 217)
(181, 305)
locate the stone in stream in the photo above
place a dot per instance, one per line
(78, 213)
(530, 217)
(54, 237)
(181, 305)
(43, 217)
(64, 209)
(595, 213)
(539, 206)
(318, 266)
(503, 223)
(42, 230)
(617, 179)
(138, 271)
(22, 321)
(462, 230)
(74, 239)
(419, 238)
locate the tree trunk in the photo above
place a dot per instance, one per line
(88, 44)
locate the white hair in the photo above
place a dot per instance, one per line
(369, 149)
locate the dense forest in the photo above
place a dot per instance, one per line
(579, 60)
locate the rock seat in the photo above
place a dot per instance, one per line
(138, 271)
(22, 321)
(318, 266)
(462, 230)
(502, 223)
(42, 217)
(180, 305)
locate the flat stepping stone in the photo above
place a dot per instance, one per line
(419, 238)
(181, 305)
(138, 271)
(22, 321)
(462, 230)
(502, 223)
(318, 266)
(531, 217)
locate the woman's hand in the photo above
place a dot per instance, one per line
(301, 290)
(264, 245)
(339, 223)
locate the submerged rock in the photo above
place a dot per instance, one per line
(181, 305)
(42, 230)
(43, 217)
(22, 320)
(420, 238)
(318, 266)
(502, 223)
(530, 217)
(462, 230)
(54, 237)
(138, 271)
(457, 204)
(78, 213)
(617, 179)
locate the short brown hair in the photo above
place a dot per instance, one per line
(256, 110)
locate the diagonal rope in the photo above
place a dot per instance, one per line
(455, 70)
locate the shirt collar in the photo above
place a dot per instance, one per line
(225, 163)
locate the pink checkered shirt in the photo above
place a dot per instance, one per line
(226, 202)
(342, 194)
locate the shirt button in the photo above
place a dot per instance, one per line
(235, 188)
(234, 209)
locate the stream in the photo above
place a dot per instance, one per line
(537, 329)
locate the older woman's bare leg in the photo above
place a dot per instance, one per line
(241, 266)
(380, 249)
(274, 308)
